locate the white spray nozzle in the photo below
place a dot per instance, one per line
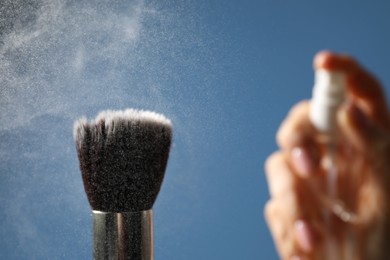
(328, 95)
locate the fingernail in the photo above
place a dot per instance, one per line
(303, 161)
(304, 235)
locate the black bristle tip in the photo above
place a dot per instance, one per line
(123, 156)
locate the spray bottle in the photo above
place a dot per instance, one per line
(328, 96)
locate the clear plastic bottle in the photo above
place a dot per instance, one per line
(328, 96)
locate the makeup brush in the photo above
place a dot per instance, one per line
(123, 156)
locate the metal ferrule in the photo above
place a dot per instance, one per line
(120, 236)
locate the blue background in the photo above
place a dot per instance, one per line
(225, 72)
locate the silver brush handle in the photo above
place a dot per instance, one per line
(120, 236)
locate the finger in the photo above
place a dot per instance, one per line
(290, 202)
(285, 186)
(296, 129)
(281, 181)
(296, 136)
(281, 210)
(292, 236)
(361, 85)
(280, 225)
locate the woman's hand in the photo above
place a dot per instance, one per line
(296, 176)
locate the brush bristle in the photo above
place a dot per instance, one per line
(123, 156)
